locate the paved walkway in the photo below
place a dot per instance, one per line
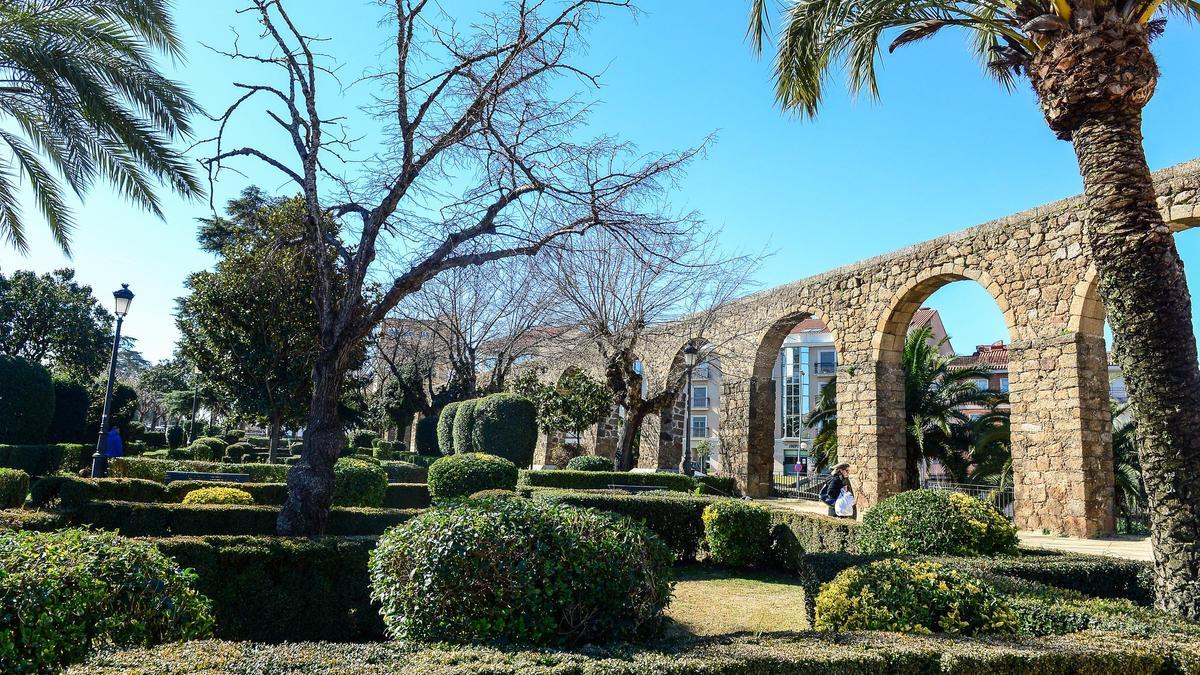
(1116, 546)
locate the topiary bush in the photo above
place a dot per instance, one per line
(506, 426)
(238, 452)
(64, 594)
(14, 485)
(71, 403)
(234, 436)
(464, 426)
(518, 571)
(363, 438)
(590, 463)
(912, 597)
(218, 495)
(738, 533)
(445, 428)
(208, 448)
(26, 400)
(935, 522)
(426, 438)
(358, 483)
(461, 475)
(174, 435)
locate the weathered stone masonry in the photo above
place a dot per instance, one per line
(1036, 265)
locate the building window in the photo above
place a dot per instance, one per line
(794, 399)
(982, 384)
(699, 397)
(826, 363)
(700, 372)
(700, 426)
(1004, 384)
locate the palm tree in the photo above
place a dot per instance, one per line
(979, 451)
(81, 99)
(1090, 64)
(934, 394)
(1127, 470)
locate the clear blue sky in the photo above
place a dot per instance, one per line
(945, 149)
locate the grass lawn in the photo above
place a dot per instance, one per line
(717, 602)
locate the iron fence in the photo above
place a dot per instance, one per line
(799, 487)
(1001, 498)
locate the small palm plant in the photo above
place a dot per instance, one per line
(82, 99)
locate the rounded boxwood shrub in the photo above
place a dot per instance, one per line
(935, 522)
(912, 597)
(506, 426)
(71, 403)
(234, 436)
(464, 427)
(208, 448)
(466, 474)
(358, 483)
(425, 437)
(590, 463)
(174, 435)
(363, 438)
(518, 571)
(64, 594)
(445, 428)
(238, 452)
(26, 401)
(14, 485)
(738, 533)
(218, 495)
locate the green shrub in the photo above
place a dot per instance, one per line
(676, 518)
(63, 594)
(277, 589)
(362, 457)
(553, 575)
(403, 472)
(156, 469)
(26, 400)
(14, 485)
(912, 597)
(34, 521)
(461, 475)
(445, 428)
(590, 463)
(269, 494)
(406, 496)
(237, 452)
(358, 483)
(259, 443)
(425, 437)
(935, 522)
(233, 436)
(506, 426)
(218, 495)
(496, 494)
(174, 436)
(71, 403)
(159, 520)
(737, 532)
(181, 453)
(73, 493)
(413, 458)
(463, 430)
(384, 450)
(208, 448)
(35, 460)
(723, 486)
(363, 438)
(599, 480)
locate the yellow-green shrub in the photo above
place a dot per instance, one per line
(218, 495)
(738, 533)
(935, 522)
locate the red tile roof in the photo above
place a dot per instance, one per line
(994, 356)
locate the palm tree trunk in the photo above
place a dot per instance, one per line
(1142, 284)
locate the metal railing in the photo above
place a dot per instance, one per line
(1001, 498)
(799, 487)
(699, 403)
(824, 368)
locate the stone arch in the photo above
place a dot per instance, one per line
(670, 425)
(1087, 310)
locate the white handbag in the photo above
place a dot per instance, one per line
(844, 506)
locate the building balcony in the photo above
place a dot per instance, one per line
(821, 368)
(700, 373)
(700, 403)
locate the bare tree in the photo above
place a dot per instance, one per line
(480, 162)
(616, 295)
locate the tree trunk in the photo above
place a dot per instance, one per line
(1092, 85)
(627, 437)
(273, 445)
(310, 481)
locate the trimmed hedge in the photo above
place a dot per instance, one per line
(463, 474)
(26, 400)
(814, 653)
(594, 480)
(413, 458)
(208, 448)
(737, 532)
(676, 518)
(73, 493)
(218, 495)
(43, 460)
(398, 495)
(794, 533)
(34, 521)
(358, 483)
(14, 485)
(506, 426)
(724, 486)
(174, 436)
(136, 519)
(464, 427)
(590, 463)
(71, 403)
(425, 437)
(445, 428)
(403, 472)
(936, 522)
(277, 589)
(156, 469)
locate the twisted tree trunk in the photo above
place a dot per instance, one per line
(310, 481)
(1092, 86)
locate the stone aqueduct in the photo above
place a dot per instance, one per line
(1035, 264)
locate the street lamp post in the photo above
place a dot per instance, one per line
(689, 359)
(121, 299)
(195, 398)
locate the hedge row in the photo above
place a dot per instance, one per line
(135, 519)
(398, 495)
(819, 653)
(404, 472)
(73, 493)
(43, 460)
(277, 589)
(38, 521)
(593, 480)
(812, 533)
(156, 469)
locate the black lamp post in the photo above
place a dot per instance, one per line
(121, 298)
(689, 359)
(195, 398)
